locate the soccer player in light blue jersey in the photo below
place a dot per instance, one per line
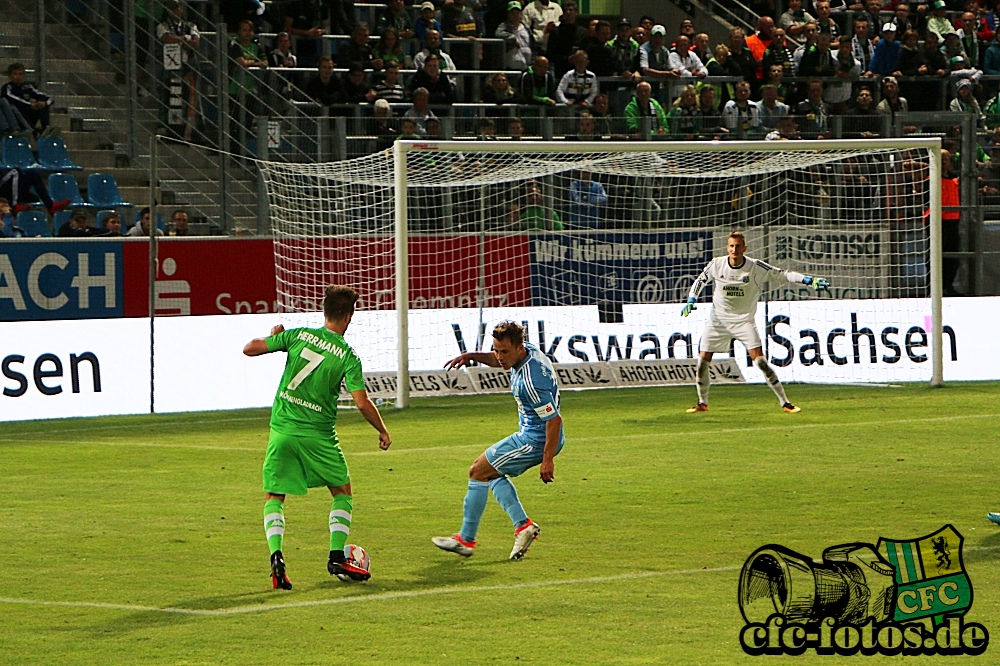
(538, 441)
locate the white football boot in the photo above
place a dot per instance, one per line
(455, 544)
(523, 537)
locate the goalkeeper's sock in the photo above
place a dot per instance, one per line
(472, 509)
(340, 521)
(704, 382)
(772, 379)
(274, 524)
(506, 496)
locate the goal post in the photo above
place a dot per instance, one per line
(596, 242)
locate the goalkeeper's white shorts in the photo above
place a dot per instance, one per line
(719, 334)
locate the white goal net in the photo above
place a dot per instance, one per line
(594, 246)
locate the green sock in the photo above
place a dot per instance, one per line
(340, 521)
(274, 524)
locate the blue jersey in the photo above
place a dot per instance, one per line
(533, 383)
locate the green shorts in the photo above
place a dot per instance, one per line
(293, 463)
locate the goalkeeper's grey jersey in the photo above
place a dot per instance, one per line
(737, 289)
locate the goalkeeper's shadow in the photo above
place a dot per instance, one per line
(986, 550)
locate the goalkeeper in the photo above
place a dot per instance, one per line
(303, 450)
(738, 280)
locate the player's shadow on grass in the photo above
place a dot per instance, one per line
(985, 550)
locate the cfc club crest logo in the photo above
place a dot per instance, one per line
(897, 597)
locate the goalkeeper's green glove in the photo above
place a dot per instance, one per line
(686, 310)
(815, 283)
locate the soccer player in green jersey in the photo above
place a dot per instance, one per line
(303, 450)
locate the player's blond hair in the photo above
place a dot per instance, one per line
(510, 331)
(738, 235)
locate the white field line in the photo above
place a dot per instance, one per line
(675, 433)
(383, 596)
(358, 598)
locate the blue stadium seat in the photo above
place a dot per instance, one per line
(34, 223)
(102, 190)
(17, 154)
(63, 186)
(61, 218)
(53, 156)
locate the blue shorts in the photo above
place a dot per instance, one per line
(514, 455)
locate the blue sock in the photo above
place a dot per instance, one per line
(506, 496)
(472, 510)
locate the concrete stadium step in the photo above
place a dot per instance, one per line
(78, 65)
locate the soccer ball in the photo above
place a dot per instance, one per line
(357, 557)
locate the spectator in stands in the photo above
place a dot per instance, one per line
(951, 240)
(565, 39)
(388, 49)
(175, 30)
(112, 225)
(819, 60)
(778, 54)
(624, 49)
(281, 55)
(587, 200)
(603, 121)
(965, 102)
(721, 65)
(420, 111)
(960, 64)
(839, 93)
(578, 87)
(711, 117)
(970, 39)
(683, 60)
(19, 186)
(644, 106)
(178, 90)
(769, 108)
(586, 128)
(647, 22)
(740, 55)
(397, 17)
(684, 117)
(862, 121)
(758, 43)
(7, 227)
(382, 125)
(809, 34)
(910, 58)
(641, 36)
(991, 61)
(459, 21)
(31, 103)
(325, 88)
(78, 226)
(654, 60)
(934, 63)
(433, 46)
(786, 131)
(701, 48)
(486, 130)
(12, 123)
(245, 54)
(178, 223)
(536, 216)
(825, 22)
(516, 129)
(872, 14)
(814, 110)
(356, 88)
(498, 91)
(795, 19)
(741, 116)
(142, 229)
(602, 61)
(902, 20)
(892, 103)
(304, 19)
(862, 43)
(538, 84)
(408, 129)
(885, 60)
(938, 23)
(433, 127)
(389, 89)
(426, 22)
(519, 43)
(438, 86)
(540, 17)
(359, 50)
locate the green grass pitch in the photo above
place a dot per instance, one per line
(116, 529)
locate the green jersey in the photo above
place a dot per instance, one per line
(318, 361)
